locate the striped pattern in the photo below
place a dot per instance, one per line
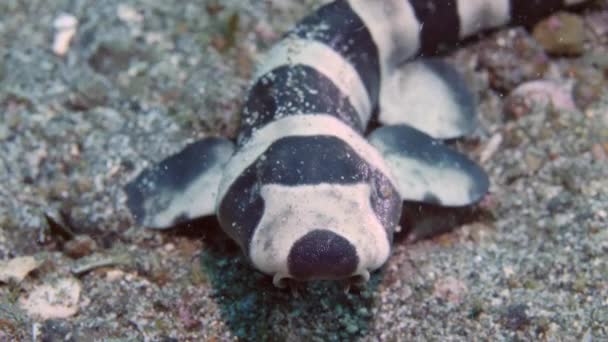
(339, 49)
(342, 51)
(340, 27)
(333, 61)
(311, 99)
(297, 52)
(306, 195)
(293, 90)
(318, 174)
(297, 126)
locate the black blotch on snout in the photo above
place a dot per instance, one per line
(322, 254)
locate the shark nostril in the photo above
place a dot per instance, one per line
(322, 254)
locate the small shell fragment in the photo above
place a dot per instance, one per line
(65, 26)
(491, 148)
(17, 268)
(53, 300)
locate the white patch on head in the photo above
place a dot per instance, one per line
(324, 59)
(416, 179)
(417, 96)
(293, 211)
(478, 15)
(394, 28)
(298, 126)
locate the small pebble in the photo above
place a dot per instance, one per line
(114, 275)
(512, 63)
(515, 317)
(128, 14)
(451, 289)
(89, 90)
(542, 93)
(352, 328)
(588, 88)
(598, 23)
(80, 246)
(561, 34)
(599, 153)
(4, 131)
(404, 292)
(508, 271)
(533, 161)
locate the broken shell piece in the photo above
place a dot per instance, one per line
(128, 14)
(65, 28)
(490, 148)
(58, 299)
(17, 268)
(451, 289)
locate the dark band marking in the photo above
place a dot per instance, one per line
(338, 26)
(303, 161)
(294, 90)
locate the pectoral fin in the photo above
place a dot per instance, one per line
(428, 171)
(180, 188)
(429, 95)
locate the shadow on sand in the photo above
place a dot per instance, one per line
(255, 310)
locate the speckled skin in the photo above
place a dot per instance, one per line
(305, 195)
